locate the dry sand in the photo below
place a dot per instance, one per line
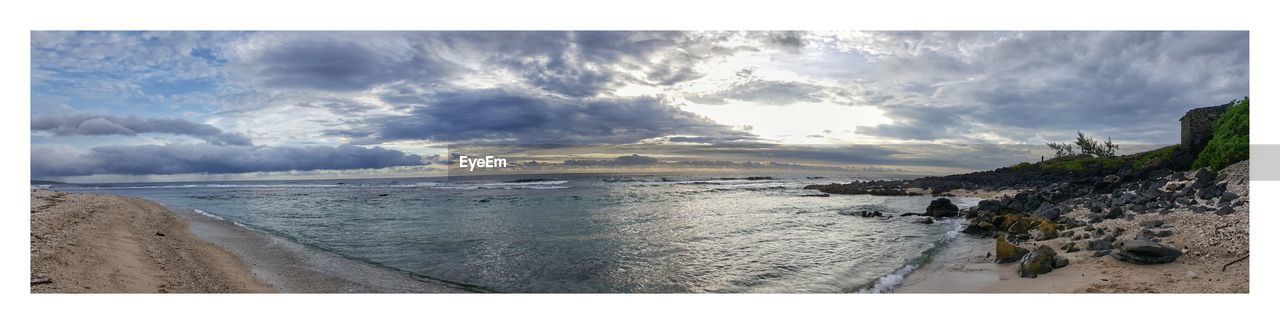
(98, 243)
(1210, 241)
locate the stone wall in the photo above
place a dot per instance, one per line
(1197, 126)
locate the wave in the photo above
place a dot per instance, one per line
(895, 279)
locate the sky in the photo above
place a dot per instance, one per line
(156, 106)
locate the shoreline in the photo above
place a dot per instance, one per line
(90, 243)
(99, 243)
(295, 268)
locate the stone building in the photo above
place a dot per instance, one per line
(1197, 126)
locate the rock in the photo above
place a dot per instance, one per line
(1114, 213)
(1173, 186)
(1145, 252)
(1007, 252)
(981, 228)
(40, 280)
(159, 234)
(1163, 232)
(924, 220)
(988, 205)
(1228, 196)
(1060, 261)
(1146, 234)
(1203, 178)
(1096, 218)
(1225, 210)
(1046, 231)
(1038, 262)
(1152, 223)
(816, 195)
(1100, 253)
(1099, 244)
(1048, 211)
(1070, 247)
(942, 207)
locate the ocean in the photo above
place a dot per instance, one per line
(585, 233)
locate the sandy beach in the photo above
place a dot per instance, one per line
(109, 244)
(98, 243)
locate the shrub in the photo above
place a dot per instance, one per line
(1230, 142)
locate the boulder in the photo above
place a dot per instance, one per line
(1203, 178)
(1100, 253)
(924, 220)
(988, 205)
(1145, 252)
(1060, 261)
(1048, 211)
(1228, 196)
(981, 228)
(1099, 244)
(1046, 230)
(1114, 213)
(942, 207)
(1038, 262)
(1007, 252)
(1225, 210)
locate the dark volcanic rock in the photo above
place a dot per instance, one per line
(1099, 244)
(1225, 210)
(942, 207)
(1048, 211)
(1038, 262)
(1145, 252)
(1060, 261)
(1114, 213)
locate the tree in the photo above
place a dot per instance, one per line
(1088, 146)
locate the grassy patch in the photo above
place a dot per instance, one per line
(1153, 158)
(1084, 164)
(1230, 143)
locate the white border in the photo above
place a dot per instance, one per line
(21, 17)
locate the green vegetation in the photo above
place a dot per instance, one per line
(1153, 158)
(1084, 164)
(1230, 142)
(1088, 146)
(1022, 166)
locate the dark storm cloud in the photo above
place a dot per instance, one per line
(572, 63)
(351, 61)
(1129, 85)
(213, 159)
(501, 116)
(585, 63)
(92, 125)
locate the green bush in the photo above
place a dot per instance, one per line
(1230, 142)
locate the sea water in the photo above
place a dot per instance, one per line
(585, 233)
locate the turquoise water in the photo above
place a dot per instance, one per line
(583, 233)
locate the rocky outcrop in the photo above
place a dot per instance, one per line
(1038, 262)
(1007, 252)
(1145, 252)
(942, 207)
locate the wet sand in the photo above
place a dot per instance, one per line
(294, 268)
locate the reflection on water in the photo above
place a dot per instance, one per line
(583, 233)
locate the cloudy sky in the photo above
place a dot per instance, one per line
(155, 105)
